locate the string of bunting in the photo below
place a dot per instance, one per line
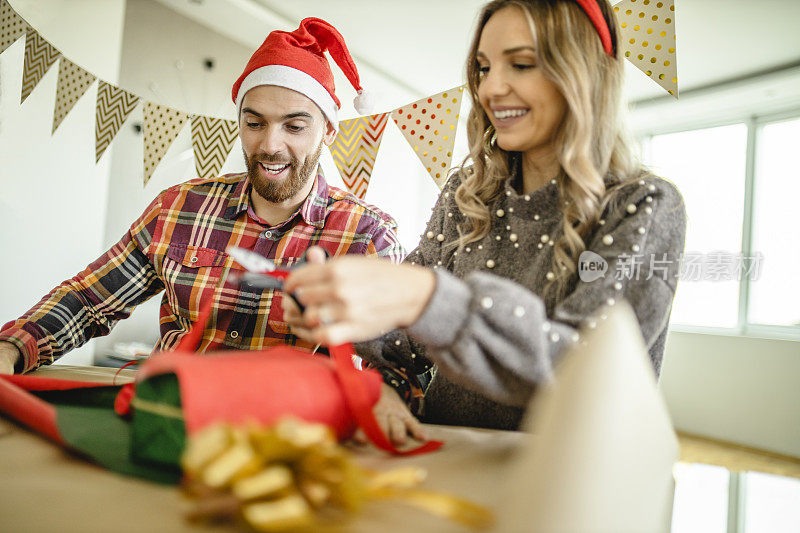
(428, 125)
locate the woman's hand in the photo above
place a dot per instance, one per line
(354, 298)
(291, 312)
(395, 419)
(295, 319)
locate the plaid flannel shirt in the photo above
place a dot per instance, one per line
(178, 245)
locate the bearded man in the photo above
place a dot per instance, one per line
(287, 110)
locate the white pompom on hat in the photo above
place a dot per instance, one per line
(296, 60)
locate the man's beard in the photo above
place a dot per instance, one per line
(282, 190)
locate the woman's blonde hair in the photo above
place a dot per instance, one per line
(591, 143)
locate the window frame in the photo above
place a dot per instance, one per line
(754, 122)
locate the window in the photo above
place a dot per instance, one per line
(708, 167)
(711, 499)
(741, 185)
(701, 499)
(775, 294)
(771, 503)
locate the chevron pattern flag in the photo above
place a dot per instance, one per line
(161, 125)
(39, 57)
(12, 27)
(72, 84)
(355, 148)
(647, 36)
(212, 140)
(113, 107)
(429, 126)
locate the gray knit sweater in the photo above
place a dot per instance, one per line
(490, 328)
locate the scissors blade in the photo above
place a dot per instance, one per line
(251, 261)
(258, 281)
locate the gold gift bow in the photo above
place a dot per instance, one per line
(295, 475)
(447, 506)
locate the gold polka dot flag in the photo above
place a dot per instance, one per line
(161, 125)
(39, 57)
(429, 126)
(355, 148)
(212, 141)
(12, 27)
(647, 38)
(72, 84)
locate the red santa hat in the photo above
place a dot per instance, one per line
(296, 60)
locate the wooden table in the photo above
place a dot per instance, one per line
(43, 488)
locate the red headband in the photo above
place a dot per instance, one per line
(596, 16)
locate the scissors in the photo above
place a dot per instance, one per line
(262, 273)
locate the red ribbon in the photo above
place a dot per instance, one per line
(355, 394)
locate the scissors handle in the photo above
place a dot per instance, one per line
(268, 280)
(272, 280)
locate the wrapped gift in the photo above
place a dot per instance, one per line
(180, 393)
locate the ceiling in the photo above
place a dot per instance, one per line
(419, 45)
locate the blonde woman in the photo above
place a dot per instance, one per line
(478, 314)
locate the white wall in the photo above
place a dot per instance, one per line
(53, 202)
(737, 389)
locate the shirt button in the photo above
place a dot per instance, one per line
(234, 334)
(194, 259)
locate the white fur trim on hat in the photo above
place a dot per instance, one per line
(296, 80)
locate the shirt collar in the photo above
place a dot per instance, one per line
(313, 209)
(239, 199)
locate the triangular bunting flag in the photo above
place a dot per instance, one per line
(39, 57)
(355, 148)
(212, 140)
(429, 126)
(113, 107)
(161, 125)
(12, 27)
(72, 83)
(647, 35)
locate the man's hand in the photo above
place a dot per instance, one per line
(395, 419)
(9, 355)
